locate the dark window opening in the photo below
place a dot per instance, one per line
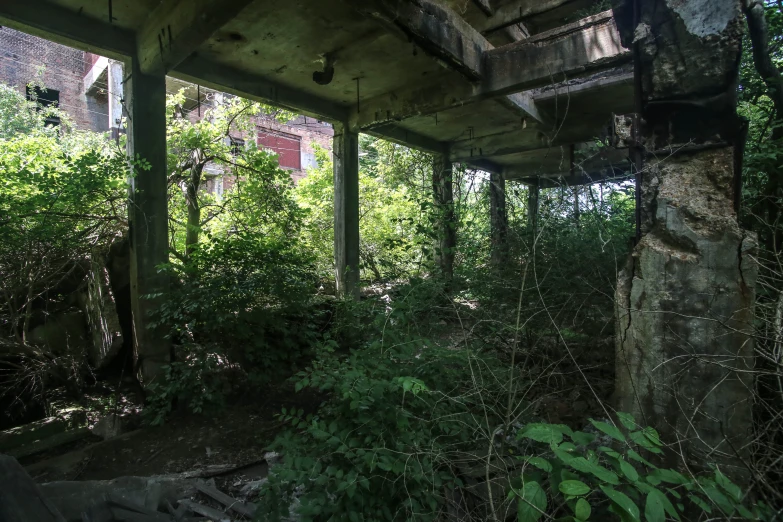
(45, 98)
(237, 145)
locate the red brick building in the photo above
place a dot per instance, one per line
(88, 88)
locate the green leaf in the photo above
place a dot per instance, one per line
(627, 420)
(574, 488)
(610, 452)
(626, 507)
(546, 433)
(728, 486)
(610, 430)
(699, 502)
(718, 499)
(653, 507)
(532, 502)
(670, 476)
(629, 471)
(567, 446)
(540, 463)
(600, 472)
(644, 441)
(582, 439)
(633, 455)
(582, 510)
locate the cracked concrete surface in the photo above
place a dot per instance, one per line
(685, 301)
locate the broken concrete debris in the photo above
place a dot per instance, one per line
(131, 499)
(45, 434)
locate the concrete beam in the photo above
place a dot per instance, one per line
(516, 11)
(551, 164)
(438, 30)
(589, 44)
(485, 165)
(578, 87)
(485, 6)
(613, 174)
(445, 36)
(397, 134)
(61, 25)
(508, 143)
(224, 78)
(575, 49)
(346, 210)
(176, 28)
(523, 104)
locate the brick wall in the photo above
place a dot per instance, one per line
(24, 58)
(310, 131)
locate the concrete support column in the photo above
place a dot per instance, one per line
(533, 196)
(498, 220)
(685, 300)
(444, 220)
(148, 220)
(116, 96)
(346, 210)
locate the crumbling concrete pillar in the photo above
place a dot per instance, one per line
(444, 225)
(116, 96)
(148, 220)
(685, 300)
(498, 220)
(346, 210)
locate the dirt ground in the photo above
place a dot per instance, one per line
(227, 444)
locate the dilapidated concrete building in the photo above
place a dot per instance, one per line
(512, 87)
(88, 88)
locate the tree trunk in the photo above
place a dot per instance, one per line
(762, 59)
(194, 207)
(445, 225)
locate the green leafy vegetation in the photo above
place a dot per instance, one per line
(482, 399)
(603, 474)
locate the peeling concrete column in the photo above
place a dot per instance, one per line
(444, 225)
(498, 220)
(115, 76)
(148, 227)
(346, 210)
(685, 300)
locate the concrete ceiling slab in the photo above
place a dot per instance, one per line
(395, 75)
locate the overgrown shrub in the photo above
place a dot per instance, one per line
(387, 443)
(587, 478)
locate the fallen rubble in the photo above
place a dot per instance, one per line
(180, 498)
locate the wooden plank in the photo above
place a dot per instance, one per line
(128, 515)
(20, 498)
(230, 502)
(200, 509)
